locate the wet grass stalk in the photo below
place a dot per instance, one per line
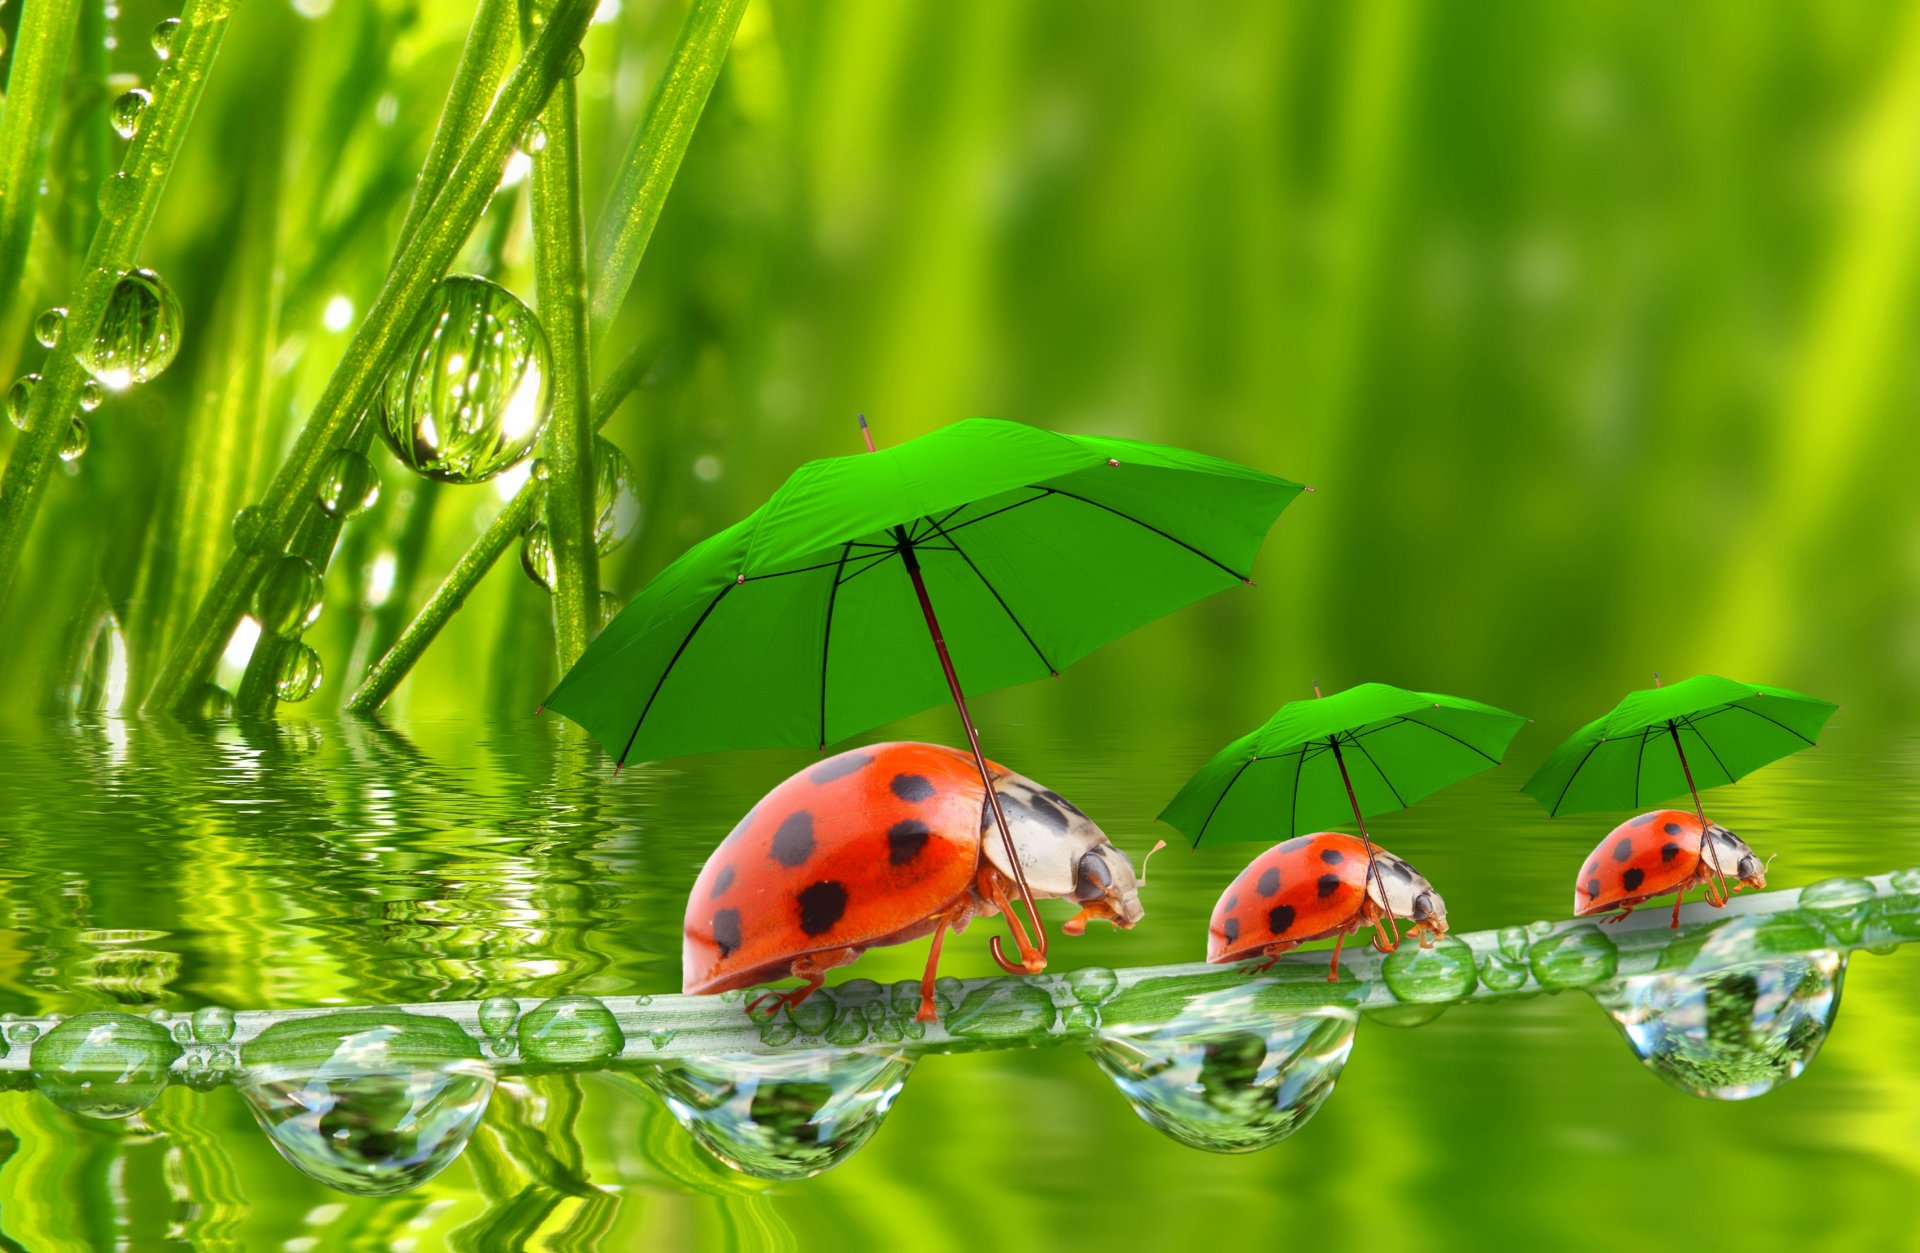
(421, 262)
(35, 74)
(131, 197)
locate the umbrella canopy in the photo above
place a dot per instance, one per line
(1371, 749)
(1662, 741)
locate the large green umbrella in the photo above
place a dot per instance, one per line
(1371, 749)
(808, 620)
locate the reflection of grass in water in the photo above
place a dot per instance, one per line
(1737, 1048)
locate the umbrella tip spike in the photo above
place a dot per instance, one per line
(539, 709)
(1249, 582)
(1308, 487)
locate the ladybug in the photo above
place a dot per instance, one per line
(1658, 853)
(1315, 886)
(882, 845)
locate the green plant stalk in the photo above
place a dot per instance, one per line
(559, 259)
(377, 342)
(385, 674)
(150, 157)
(39, 63)
(647, 170)
(666, 1028)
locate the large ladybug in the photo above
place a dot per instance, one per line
(882, 845)
(1658, 853)
(1316, 886)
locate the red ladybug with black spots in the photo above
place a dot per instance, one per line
(882, 845)
(1315, 886)
(1658, 853)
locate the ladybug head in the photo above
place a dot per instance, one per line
(1735, 859)
(1062, 853)
(1408, 894)
(1429, 914)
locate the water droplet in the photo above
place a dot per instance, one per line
(371, 1102)
(1906, 882)
(540, 470)
(536, 556)
(497, 1015)
(534, 138)
(20, 399)
(1573, 958)
(1407, 1017)
(570, 1030)
(660, 1037)
(610, 607)
(848, 1029)
(118, 194)
(1093, 985)
(138, 334)
(1002, 1009)
(78, 439)
(349, 484)
(615, 501)
(1500, 974)
(812, 1015)
(470, 395)
(163, 37)
(1513, 943)
(575, 62)
(1729, 1027)
(1420, 975)
(1843, 904)
(210, 700)
(46, 327)
(126, 110)
(786, 1117)
(91, 395)
(289, 597)
(777, 1033)
(1231, 1073)
(23, 1032)
(213, 1024)
(250, 529)
(299, 674)
(104, 1065)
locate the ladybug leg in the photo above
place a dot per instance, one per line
(813, 968)
(928, 1013)
(1268, 956)
(1333, 966)
(1609, 921)
(1032, 959)
(1679, 896)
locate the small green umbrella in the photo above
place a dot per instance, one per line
(1371, 749)
(808, 621)
(1699, 732)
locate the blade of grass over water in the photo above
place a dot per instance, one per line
(386, 673)
(34, 73)
(653, 159)
(377, 342)
(134, 194)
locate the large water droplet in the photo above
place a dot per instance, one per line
(1093, 985)
(1735, 1022)
(138, 334)
(92, 395)
(104, 1065)
(1231, 1073)
(213, 1024)
(348, 485)
(569, 1030)
(163, 37)
(299, 674)
(786, 1117)
(616, 503)
(126, 110)
(371, 1102)
(1843, 904)
(1443, 972)
(46, 327)
(1574, 958)
(289, 597)
(470, 396)
(20, 399)
(536, 556)
(1002, 1009)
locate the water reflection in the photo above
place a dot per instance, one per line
(104, 1065)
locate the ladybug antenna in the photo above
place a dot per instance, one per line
(1769, 866)
(1141, 879)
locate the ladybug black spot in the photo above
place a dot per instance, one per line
(1593, 868)
(911, 787)
(1673, 828)
(1593, 889)
(1632, 878)
(1269, 882)
(1049, 812)
(906, 839)
(726, 931)
(1329, 884)
(1279, 918)
(1669, 851)
(1623, 850)
(1298, 841)
(1061, 801)
(721, 882)
(793, 842)
(1642, 820)
(1231, 930)
(821, 906)
(1332, 856)
(839, 767)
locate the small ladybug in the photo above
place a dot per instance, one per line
(882, 845)
(1315, 886)
(1658, 853)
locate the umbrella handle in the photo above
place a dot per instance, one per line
(1033, 959)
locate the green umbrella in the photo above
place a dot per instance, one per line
(807, 621)
(1371, 749)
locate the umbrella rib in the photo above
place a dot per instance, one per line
(776, 574)
(1218, 800)
(1005, 608)
(1639, 762)
(1354, 740)
(1387, 726)
(1710, 748)
(961, 526)
(1557, 801)
(1450, 735)
(877, 560)
(1775, 721)
(1118, 513)
(1293, 807)
(826, 638)
(671, 663)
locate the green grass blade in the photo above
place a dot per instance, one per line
(34, 75)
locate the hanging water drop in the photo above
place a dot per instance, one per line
(126, 110)
(163, 37)
(1418, 974)
(20, 399)
(786, 1117)
(289, 598)
(610, 607)
(536, 556)
(104, 1065)
(349, 484)
(616, 504)
(210, 701)
(46, 327)
(92, 395)
(370, 1102)
(575, 62)
(250, 529)
(299, 674)
(496, 1016)
(570, 1030)
(78, 439)
(1232, 1072)
(534, 138)
(138, 334)
(470, 395)
(213, 1024)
